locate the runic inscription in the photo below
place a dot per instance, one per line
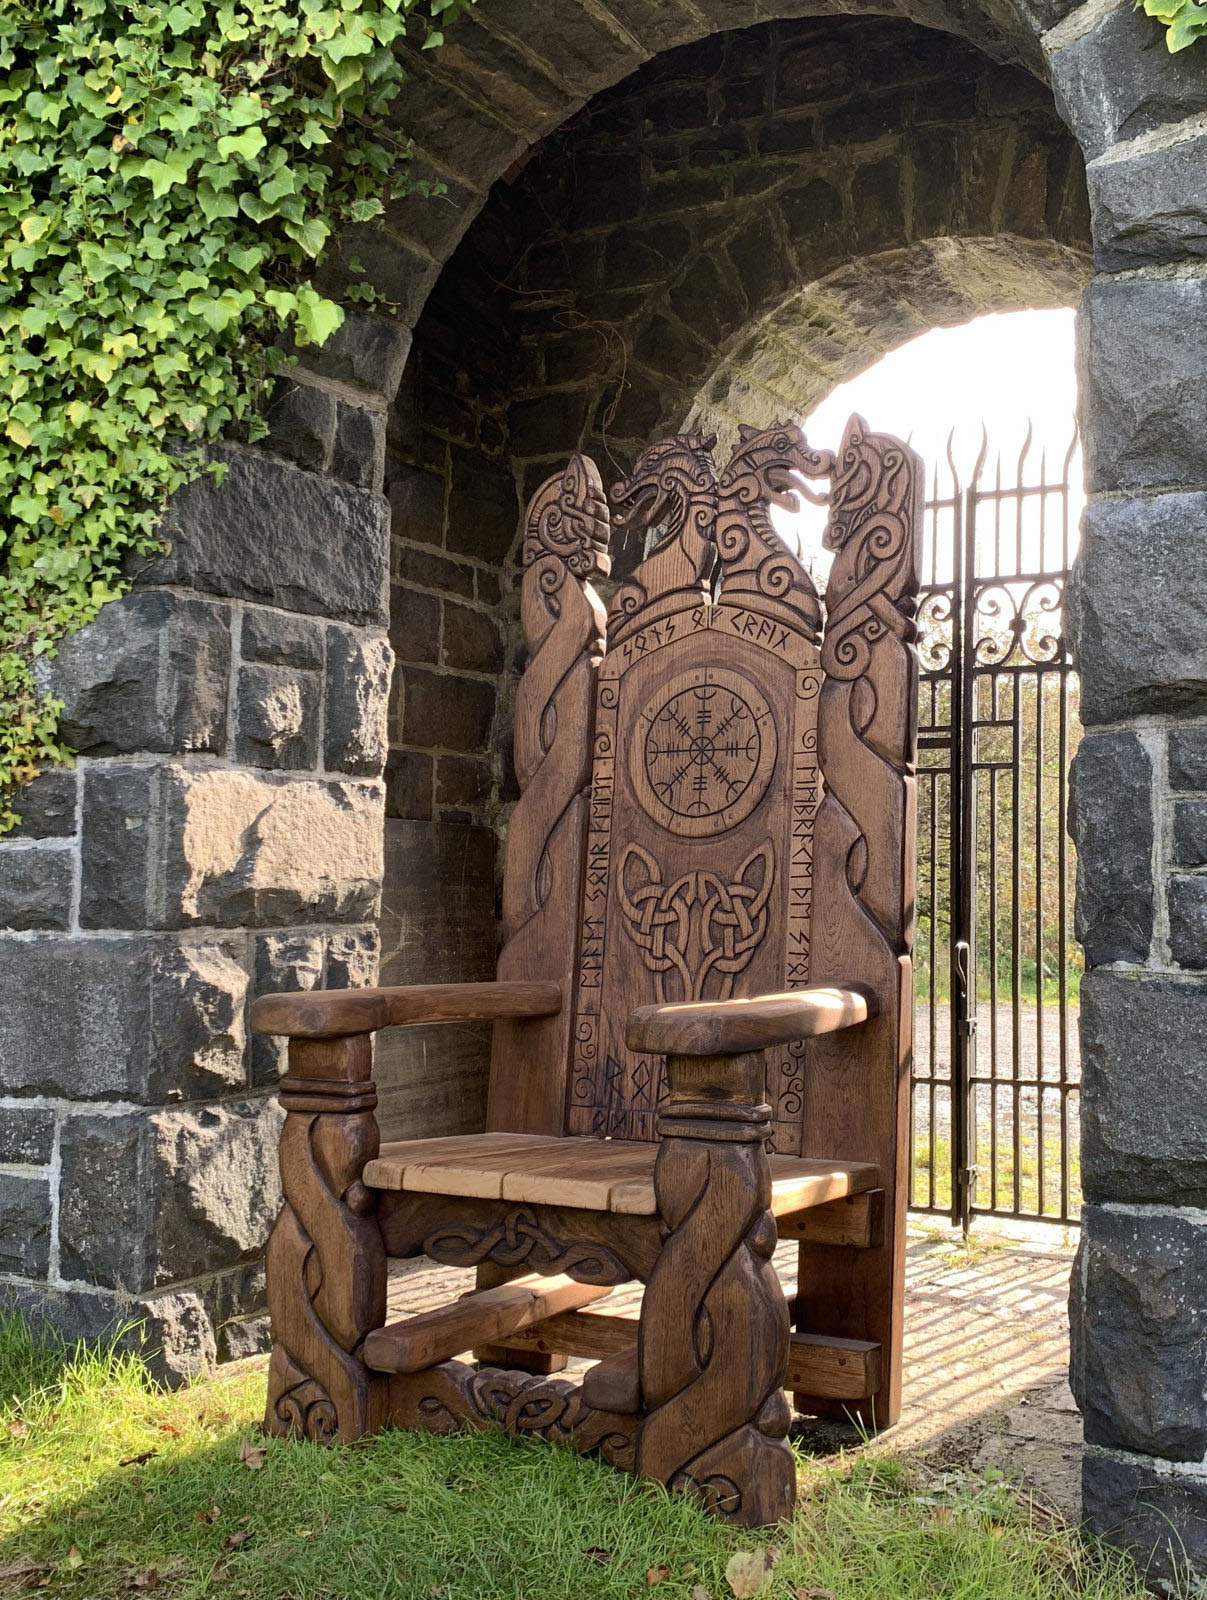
(704, 754)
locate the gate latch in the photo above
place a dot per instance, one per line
(965, 1022)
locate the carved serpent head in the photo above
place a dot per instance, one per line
(765, 460)
(672, 479)
(568, 518)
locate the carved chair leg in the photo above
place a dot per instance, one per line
(541, 1362)
(713, 1337)
(326, 1261)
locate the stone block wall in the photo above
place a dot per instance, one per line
(1138, 622)
(220, 835)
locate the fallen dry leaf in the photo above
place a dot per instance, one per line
(75, 1557)
(167, 1427)
(813, 1594)
(239, 1539)
(252, 1455)
(140, 1460)
(597, 1553)
(23, 1573)
(699, 1592)
(655, 1575)
(145, 1580)
(17, 1429)
(211, 1515)
(749, 1572)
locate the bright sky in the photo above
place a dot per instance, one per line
(998, 372)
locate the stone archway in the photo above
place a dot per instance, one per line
(232, 706)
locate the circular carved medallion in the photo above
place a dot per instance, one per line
(704, 752)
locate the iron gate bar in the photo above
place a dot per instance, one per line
(994, 669)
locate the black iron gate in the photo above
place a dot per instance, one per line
(994, 1109)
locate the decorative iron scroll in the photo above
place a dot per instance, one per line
(453, 1395)
(565, 545)
(757, 566)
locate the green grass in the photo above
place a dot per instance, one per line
(110, 1487)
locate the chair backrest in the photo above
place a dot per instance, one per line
(716, 791)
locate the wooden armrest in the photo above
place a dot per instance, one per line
(730, 1027)
(334, 1013)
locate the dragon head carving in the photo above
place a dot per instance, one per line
(668, 479)
(769, 458)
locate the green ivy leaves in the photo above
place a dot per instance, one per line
(1184, 20)
(168, 175)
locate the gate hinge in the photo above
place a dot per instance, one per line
(967, 1027)
(966, 1178)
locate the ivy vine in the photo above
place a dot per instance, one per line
(169, 174)
(1184, 20)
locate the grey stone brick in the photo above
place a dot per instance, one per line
(360, 446)
(283, 963)
(148, 1198)
(409, 776)
(1188, 921)
(46, 805)
(150, 673)
(471, 639)
(1142, 349)
(1135, 625)
(414, 625)
(1160, 1515)
(129, 1019)
(446, 712)
(241, 848)
(1150, 207)
(353, 957)
(301, 424)
(1118, 80)
(462, 782)
(243, 1337)
(275, 534)
(117, 846)
(366, 351)
(358, 690)
(26, 1135)
(1139, 1324)
(1110, 818)
(429, 570)
(173, 1333)
(36, 886)
(1188, 758)
(483, 510)
(277, 717)
(281, 638)
(25, 1236)
(1143, 1116)
(1190, 833)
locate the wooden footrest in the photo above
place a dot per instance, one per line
(476, 1319)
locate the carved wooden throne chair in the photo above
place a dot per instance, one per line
(702, 1017)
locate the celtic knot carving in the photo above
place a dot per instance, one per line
(568, 519)
(698, 926)
(520, 1237)
(453, 1395)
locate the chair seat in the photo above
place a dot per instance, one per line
(590, 1174)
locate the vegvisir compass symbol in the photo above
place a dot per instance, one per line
(705, 752)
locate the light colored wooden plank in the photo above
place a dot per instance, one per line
(333, 1013)
(596, 1334)
(730, 1027)
(454, 1153)
(476, 1318)
(580, 1172)
(797, 1182)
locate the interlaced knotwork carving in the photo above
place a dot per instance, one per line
(714, 1345)
(326, 1263)
(453, 1395)
(674, 484)
(565, 545)
(757, 566)
(519, 1237)
(698, 927)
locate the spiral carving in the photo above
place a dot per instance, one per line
(756, 564)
